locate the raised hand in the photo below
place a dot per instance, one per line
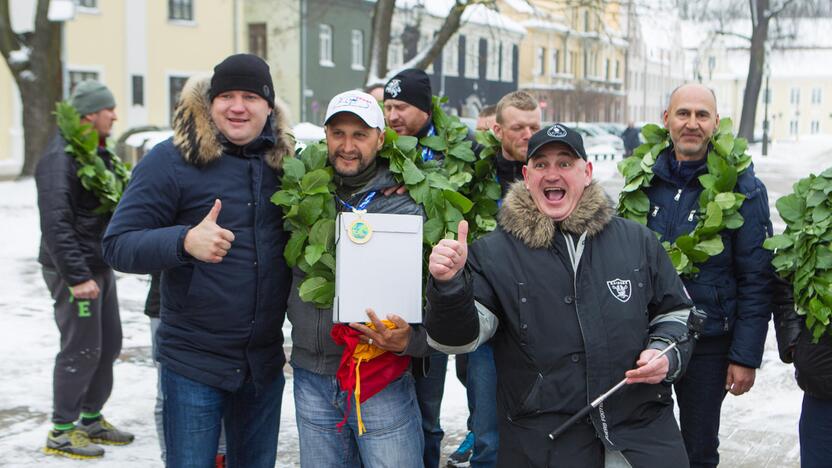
(207, 241)
(449, 255)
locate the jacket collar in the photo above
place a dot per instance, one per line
(199, 140)
(662, 168)
(520, 217)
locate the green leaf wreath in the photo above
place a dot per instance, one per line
(82, 143)
(461, 186)
(719, 204)
(802, 253)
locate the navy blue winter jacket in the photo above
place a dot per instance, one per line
(733, 288)
(221, 322)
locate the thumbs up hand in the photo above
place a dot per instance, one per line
(207, 241)
(449, 255)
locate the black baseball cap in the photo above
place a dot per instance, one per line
(557, 133)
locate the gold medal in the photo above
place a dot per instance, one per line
(360, 231)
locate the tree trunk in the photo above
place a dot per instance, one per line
(756, 65)
(40, 94)
(382, 17)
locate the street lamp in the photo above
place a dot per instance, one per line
(767, 99)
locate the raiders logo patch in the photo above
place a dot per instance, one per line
(620, 289)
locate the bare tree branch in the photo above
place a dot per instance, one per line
(777, 11)
(8, 40)
(382, 18)
(734, 34)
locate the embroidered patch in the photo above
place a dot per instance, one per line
(556, 131)
(620, 289)
(394, 87)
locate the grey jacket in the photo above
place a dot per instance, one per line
(312, 346)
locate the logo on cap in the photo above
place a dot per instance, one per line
(556, 131)
(266, 90)
(352, 101)
(394, 87)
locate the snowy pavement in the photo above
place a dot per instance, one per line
(759, 429)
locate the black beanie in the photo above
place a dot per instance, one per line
(411, 86)
(243, 72)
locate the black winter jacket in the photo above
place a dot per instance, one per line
(70, 230)
(573, 314)
(732, 287)
(221, 322)
(812, 361)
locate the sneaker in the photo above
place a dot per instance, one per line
(462, 456)
(73, 443)
(102, 432)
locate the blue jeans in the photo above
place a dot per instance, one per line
(699, 394)
(815, 433)
(393, 436)
(429, 391)
(482, 388)
(194, 413)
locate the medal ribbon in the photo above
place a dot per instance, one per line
(427, 153)
(362, 205)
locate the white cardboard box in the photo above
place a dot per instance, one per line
(383, 274)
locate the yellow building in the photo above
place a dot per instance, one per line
(572, 58)
(143, 50)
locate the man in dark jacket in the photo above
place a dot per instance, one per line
(731, 287)
(82, 285)
(198, 210)
(408, 110)
(569, 312)
(354, 134)
(518, 118)
(631, 139)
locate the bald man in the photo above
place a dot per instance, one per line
(732, 287)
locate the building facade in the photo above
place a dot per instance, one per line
(143, 50)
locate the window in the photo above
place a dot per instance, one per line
(555, 61)
(507, 65)
(817, 97)
(357, 49)
(492, 71)
(395, 54)
(175, 85)
(472, 57)
(586, 64)
(137, 83)
(182, 10)
(91, 4)
(586, 21)
(618, 69)
(325, 43)
(76, 77)
(573, 62)
(607, 69)
(539, 61)
(815, 127)
(794, 97)
(767, 96)
(793, 127)
(257, 40)
(450, 57)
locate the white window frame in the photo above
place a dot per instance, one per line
(555, 61)
(507, 71)
(472, 57)
(815, 127)
(817, 95)
(325, 36)
(357, 42)
(539, 61)
(450, 57)
(179, 21)
(794, 96)
(492, 64)
(90, 10)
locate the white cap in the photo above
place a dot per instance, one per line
(359, 103)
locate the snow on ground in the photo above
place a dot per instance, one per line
(759, 429)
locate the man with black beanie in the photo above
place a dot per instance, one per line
(197, 210)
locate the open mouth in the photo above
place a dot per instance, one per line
(554, 193)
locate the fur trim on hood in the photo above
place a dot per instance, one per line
(198, 139)
(520, 217)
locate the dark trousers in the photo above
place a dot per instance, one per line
(699, 393)
(429, 391)
(90, 343)
(815, 433)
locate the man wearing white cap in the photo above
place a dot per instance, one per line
(354, 127)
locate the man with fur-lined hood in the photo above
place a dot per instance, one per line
(574, 298)
(198, 210)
